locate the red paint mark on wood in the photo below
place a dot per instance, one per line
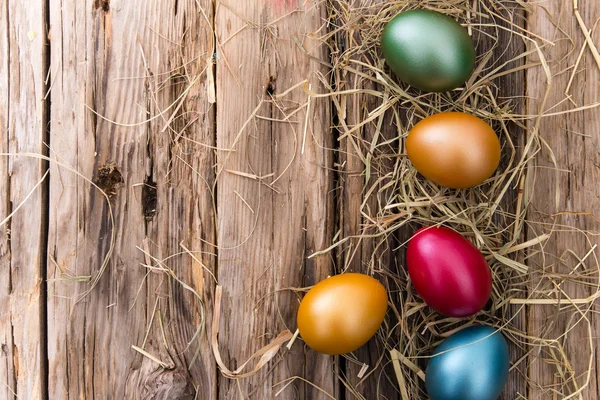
(284, 5)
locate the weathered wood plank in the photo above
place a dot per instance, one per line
(88, 338)
(7, 365)
(269, 226)
(507, 46)
(183, 168)
(23, 121)
(365, 255)
(129, 61)
(569, 186)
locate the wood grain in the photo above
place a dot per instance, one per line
(129, 62)
(506, 47)
(268, 226)
(574, 139)
(23, 120)
(365, 255)
(183, 170)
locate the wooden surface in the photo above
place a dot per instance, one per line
(180, 111)
(575, 142)
(362, 254)
(269, 225)
(23, 119)
(129, 62)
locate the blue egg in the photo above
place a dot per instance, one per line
(472, 364)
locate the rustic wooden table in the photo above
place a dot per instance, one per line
(124, 91)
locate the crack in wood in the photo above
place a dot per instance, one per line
(15, 360)
(270, 91)
(9, 209)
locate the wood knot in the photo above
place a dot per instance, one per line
(167, 385)
(103, 4)
(149, 199)
(270, 91)
(109, 179)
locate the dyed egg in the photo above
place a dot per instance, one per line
(471, 364)
(428, 50)
(341, 313)
(454, 149)
(448, 272)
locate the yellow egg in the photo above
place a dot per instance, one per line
(341, 313)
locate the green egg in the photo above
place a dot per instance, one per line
(428, 50)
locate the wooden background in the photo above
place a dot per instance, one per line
(201, 155)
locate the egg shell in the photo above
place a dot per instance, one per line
(340, 314)
(448, 272)
(471, 364)
(454, 149)
(428, 50)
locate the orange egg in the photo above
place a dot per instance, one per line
(341, 313)
(454, 149)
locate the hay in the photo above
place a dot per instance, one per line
(494, 216)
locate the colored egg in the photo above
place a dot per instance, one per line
(340, 314)
(454, 149)
(448, 272)
(428, 50)
(471, 364)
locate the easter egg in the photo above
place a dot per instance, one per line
(454, 149)
(428, 50)
(471, 364)
(340, 314)
(448, 272)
